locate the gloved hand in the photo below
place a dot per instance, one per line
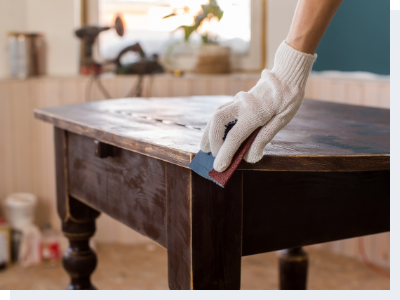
(272, 104)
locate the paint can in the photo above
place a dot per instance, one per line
(26, 53)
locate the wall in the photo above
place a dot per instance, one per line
(279, 18)
(56, 19)
(12, 18)
(358, 38)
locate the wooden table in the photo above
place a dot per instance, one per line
(324, 177)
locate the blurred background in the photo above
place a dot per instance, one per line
(55, 52)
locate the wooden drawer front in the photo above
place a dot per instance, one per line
(129, 187)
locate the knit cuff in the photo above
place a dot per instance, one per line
(292, 66)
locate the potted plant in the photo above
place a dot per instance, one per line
(212, 58)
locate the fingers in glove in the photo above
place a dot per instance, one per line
(266, 134)
(218, 126)
(205, 140)
(239, 133)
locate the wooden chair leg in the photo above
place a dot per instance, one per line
(293, 265)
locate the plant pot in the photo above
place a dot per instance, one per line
(180, 56)
(213, 59)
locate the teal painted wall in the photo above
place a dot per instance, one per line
(358, 38)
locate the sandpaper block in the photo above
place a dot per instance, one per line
(203, 162)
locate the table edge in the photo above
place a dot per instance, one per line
(287, 163)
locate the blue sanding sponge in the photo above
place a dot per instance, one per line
(203, 162)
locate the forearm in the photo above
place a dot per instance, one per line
(311, 19)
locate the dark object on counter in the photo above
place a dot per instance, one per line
(88, 35)
(324, 177)
(144, 66)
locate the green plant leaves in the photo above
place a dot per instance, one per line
(209, 10)
(189, 30)
(213, 9)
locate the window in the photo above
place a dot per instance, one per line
(241, 28)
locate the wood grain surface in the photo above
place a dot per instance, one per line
(127, 186)
(216, 233)
(204, 231)
(322, 137)
(293, 209)
(179, 227)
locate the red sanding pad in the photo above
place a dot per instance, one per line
(223, 177)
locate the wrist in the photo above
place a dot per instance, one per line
(302, 44)
(292, 66)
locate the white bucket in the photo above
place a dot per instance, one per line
(20, 209)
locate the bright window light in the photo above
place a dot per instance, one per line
(145, 24)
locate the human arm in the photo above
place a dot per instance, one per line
(311, 19)
(277, 96)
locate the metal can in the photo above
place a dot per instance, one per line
(26, 53)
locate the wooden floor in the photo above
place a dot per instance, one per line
(142, 267)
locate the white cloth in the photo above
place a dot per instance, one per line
(29, 248)
(272, 104)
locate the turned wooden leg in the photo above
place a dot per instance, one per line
(204, 223)
(79, 260)
(293, 264)
(78, 221)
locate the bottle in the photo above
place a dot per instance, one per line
(4, 244)
(50, 249)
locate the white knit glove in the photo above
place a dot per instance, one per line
(272, 103)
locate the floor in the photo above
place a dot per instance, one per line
(145, 267)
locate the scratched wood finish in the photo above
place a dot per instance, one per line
(60, 151)
(179, 227)
(127, 186)
(322, 137)
(216, 233)
(292, 209)
(204, 231)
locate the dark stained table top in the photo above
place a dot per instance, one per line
(323, 136)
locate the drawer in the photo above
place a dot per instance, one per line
(127, 186)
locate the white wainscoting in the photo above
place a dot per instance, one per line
(26, 144)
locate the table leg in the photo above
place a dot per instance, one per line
(204, 226)
(78, 221)
(293, 265)
(80, 260)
